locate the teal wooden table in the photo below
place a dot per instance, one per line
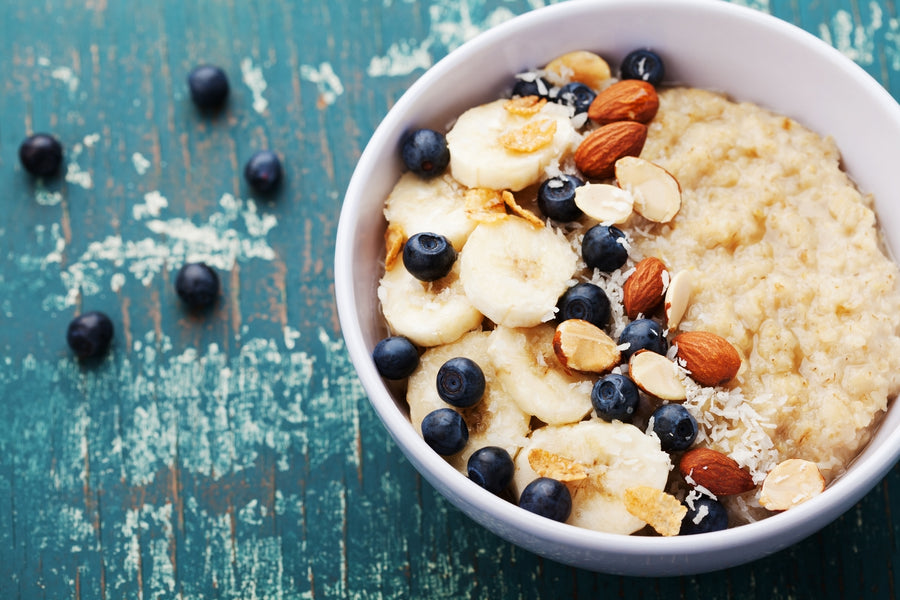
(233, 454)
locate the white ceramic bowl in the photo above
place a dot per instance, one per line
(708, 44)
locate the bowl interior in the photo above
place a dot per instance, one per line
(746, 54)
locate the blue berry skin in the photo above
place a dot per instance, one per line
(460, 382)
(492, 468)
(428, 256)
(263, 171)
(715, 519)
(90, 334)
(395, 357)
(643, 334)
(208, 86)
(41, 155)
(547, 497)
(645, 65)
(425, 153)
(556, 198)
(577, 95)
(603, 248)
(675, 427)
(445, 431)
(197, 284)
(539, 87)
(587, 302)
(615, 397)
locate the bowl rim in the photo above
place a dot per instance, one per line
(791, 526)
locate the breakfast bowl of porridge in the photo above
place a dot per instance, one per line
(625, 295)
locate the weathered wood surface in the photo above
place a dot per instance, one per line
(233, 455)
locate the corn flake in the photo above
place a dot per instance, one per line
(526, 214)
(525, 106)
(532, 136)
(485, 205)
(547, 464)
(394, 238)
(661, 511)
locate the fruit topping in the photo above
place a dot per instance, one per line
(428, 256)
(585, 301)
(492, 468)
(460, 382)
(548, 498)
(645, 65)
(642, 334)
(615, 396)
(395, 357)
(445, 431)
(704, 515)
(675, 427)
(604, 247)
(556, 198)
(576, 95)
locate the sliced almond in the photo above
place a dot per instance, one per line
(580, 65)
(604, 202)
(662, 511)
(656, 375)
(582, 346)
(657, 194)
(645, 287)
(790, 483)
(678, 297)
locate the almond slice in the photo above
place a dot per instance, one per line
(656, 375)
(790, 483)
(678, 297)
(580, 65)
(604, 202)
(583, 346)
(657, 194)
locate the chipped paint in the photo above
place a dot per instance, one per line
(854, 40)
(326, 80)
(140, 163)
(253, 79)
(154, 203)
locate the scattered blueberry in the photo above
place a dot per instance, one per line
(645, 65)
(445, 431)
(197, 285)
(615, 396)
(643, 334)
(603, 247)
(547, 497)
(425, 152)
(460, 382)
(532, 86)
(715, 517)
(577, 95)
(675, 427)
(89, 334)
(587, 302)
(41, 154)
(492, 468)
(556, 198)
(263, 171)
(208, 86)
(395, 357)
(428, 256)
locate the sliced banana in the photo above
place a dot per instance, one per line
(437, 205)
(614, 457)
(496, 148)
(532, 375)
(514, 272)
(427, 313)
(494, 421)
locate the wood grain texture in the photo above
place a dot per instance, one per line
(233, 454)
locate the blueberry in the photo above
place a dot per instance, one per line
(643, 334)
(528, 85)
(492, 468)
(395, 357)
(645, 65)
(556, 198)
(603, 247)
(577, 95)
(587, 302)
(714, 517)
(445, 431)
(614, 397)
(197, 285)
(428, 256)
(208, 86)
(460, 382)
(547, 497)
(425, 152)
(675, 427)
(41, 154)
(89, 334)
(263, 171)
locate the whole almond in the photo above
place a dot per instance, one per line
(598, 152)
(645, 288)
(717, 472)
(710, 358)
(626, 100)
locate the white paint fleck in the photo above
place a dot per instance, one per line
(153, 204)
(253, 79)
(856, 41)
(326, 80)
(74, 173)
(67, 76)
(291, 336)
(91, 139)
(45, 197)
(116, 281)
(140, 163)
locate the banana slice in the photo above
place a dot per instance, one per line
(436, 205)
(494, 421)
(598, 461)
(514, 272)
(497, 148)
(532, 375)
(427, 313)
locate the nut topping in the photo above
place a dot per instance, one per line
(626, 100)
(717, 472)
(644, 289)
(710, 358)
(582, 346)
(656, 375)
(678, 296)
(790, 483)
(604, 202)
(598, 152)
(657, 194)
